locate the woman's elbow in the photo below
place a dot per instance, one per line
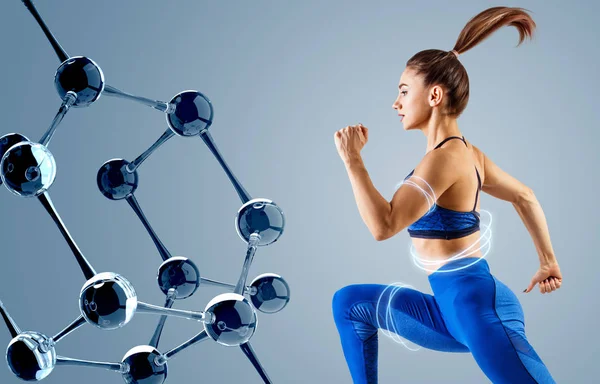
(382, 235)
(387, 233)
(378, 237)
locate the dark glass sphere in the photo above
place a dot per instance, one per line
(271, 294)
(8, 141)
(179, 273)
(82, 76)
(234, 319)
(142, 366)
(193, 113)
(28, 169)
(107, 301)
(262, 216)
(26, 360)
(114, 181)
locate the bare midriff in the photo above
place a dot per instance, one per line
(460, 197)
(441, 249)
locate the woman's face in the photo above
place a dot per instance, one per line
(412, 102)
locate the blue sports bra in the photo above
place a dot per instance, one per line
(444, 223)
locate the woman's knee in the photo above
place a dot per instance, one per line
(342, 297)
(345, 297)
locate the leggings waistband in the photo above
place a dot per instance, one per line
(466, 266)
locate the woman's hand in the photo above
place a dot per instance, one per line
(350, 140)
(548, 277)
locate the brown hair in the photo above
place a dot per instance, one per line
(443, 68)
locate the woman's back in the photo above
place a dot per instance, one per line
(464, 196)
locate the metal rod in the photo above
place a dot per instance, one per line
(12, 326)
(208, 140)
(191, 315)
(118, 367)
(68, 101)
(131, 167)
(60, 52)
(156, 104)
(171, 295)
(164, 252)
(204, 280)
(251, 355)
(70, 328)
(252, 245)
(161, 360)
(86, 267)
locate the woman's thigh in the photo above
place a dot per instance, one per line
(488, 318)
(362, 309)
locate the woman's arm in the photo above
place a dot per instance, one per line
(372, 206)
(436, 172)
(503, 186)
(530, 211)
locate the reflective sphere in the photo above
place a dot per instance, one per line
(8, 141)
(262, 216)
(272, 293)
(107, 301)
(28, 169)
(193, 113)
(114, 181)
(179, 273)
(234, 319)
(26, 360)
(142, 368)
(82, 76)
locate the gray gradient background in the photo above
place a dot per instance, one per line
(283, 77)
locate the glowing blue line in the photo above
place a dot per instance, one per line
(486, 236)
(388, 315)
(426, 183)
(418, 177)
(434, 262)
(428, 197)
(431, 199)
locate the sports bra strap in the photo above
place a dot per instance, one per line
(478, 189)
(478, 177)
(450, 138)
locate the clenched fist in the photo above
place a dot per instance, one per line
(350, 140)
(548, 278)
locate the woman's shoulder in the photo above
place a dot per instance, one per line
(479, 159)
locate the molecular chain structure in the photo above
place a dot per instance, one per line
(107, 300)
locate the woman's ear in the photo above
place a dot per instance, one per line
(436, 95)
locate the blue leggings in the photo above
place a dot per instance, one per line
(471, 311)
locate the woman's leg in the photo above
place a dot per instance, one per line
(489, 320)
(411, 314)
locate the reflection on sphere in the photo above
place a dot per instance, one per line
(234, 319)
(107, 301)
(82, 76)
(25, 359)
(28, 169)
(114, 181)
(9, 140)
(142, 366)
(179, 273)
(193, 113)
(262, 216)
(272, 293)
